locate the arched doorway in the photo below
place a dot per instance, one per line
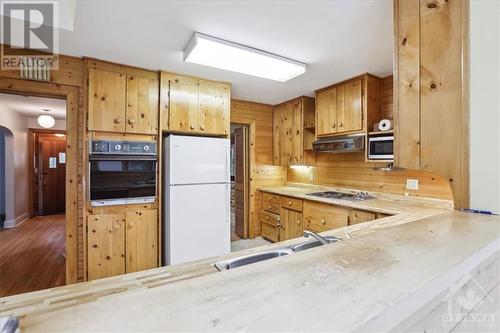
(6, 175)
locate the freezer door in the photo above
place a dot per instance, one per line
(196, 160)
(198, 222)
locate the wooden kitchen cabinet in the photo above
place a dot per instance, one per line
(291, 224)
(348, 107)
(192, 105)
(122, 103)
(141, 240)
(292, 133)
(105, 245)
(122, 243)
(319, 217)
(359, 216)
(106, 102)
(142, 105)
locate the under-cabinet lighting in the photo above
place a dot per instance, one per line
(300, 167)
(215, 52)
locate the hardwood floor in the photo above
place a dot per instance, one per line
(32, 255)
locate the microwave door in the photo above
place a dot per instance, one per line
(381, 148)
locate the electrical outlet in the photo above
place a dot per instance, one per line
(412, 184)
(311, 176)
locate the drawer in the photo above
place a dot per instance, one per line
(269, 218)
(291, 203)
(321, 217)
(271, 207)
(269, 197)
(270, 232)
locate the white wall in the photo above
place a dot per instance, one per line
(17, 177)
(485, 105)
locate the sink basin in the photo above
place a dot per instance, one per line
(308, 245)
(250, 259)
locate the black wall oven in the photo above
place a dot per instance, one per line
(122, 172)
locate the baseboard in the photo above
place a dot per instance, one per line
(12, 223)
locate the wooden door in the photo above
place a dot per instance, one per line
(213, 108)
(107, 101)
(297, 146)
(241, 181)
(142, 105)
(51, 175)
(183, 104)
(326, 111)
(286, 134)
(141, 240)
(105, 245)
(352, 119)
(291, 225)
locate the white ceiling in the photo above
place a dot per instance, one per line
(32, 106)
(337, 39)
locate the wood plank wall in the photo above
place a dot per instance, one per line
(431, 76)
(71, 73)
(263, 173)
(386, 98)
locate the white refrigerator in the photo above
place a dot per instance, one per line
(196, 198)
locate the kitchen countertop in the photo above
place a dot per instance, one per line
(355, 283)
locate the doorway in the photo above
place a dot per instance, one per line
(239, 182)
(33, 242)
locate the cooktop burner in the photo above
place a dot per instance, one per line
(360, 196)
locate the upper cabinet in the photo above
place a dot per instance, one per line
(346, 107)
(293, 130)
(122, 102)
(192, 105)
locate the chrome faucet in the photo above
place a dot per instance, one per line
(320, 239)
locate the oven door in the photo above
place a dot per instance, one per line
(117, 180)
(381, 148)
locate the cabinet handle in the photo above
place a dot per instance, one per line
(267, 217)
(289, 203)
(117, 226)
(118, 120)
(191, 127)
(131, 121)
(323, 221)
(341, 125)
(202, 127)
(270, 206)
(298, 222)
(333, 125)
(130, 223)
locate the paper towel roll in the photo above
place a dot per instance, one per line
(385, 125)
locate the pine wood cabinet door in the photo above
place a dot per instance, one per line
(326, 111)
(291, 225)
(107, 100)
(359, 216)
(351, 117)
(297, 133)
(286, 135)
(141, 240)
(105, 245)
(277, 135)
(214, 106)
(183, 110)
(142, 105)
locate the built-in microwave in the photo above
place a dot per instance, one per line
(122, 172)
(381, 147)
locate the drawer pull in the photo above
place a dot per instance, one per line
(289, 203)
(323, 221)
(131, 121)
(117, 120)
(298, 222)
(191, 127)
(270, 206)
(267, 217)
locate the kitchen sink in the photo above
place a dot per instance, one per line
(252, 258)
(224, 265)
(309, 245)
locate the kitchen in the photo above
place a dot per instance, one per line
(353, 181)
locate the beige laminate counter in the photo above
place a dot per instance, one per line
(380, 279)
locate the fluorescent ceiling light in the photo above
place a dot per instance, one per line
(215, 52)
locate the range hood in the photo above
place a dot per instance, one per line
(340, 144)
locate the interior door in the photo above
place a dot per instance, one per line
(241, 181)
(51, 173)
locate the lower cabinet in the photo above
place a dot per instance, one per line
(319, 217)
(122, 243)
(359, 216)
(291, 224)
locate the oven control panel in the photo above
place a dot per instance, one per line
(107, 147)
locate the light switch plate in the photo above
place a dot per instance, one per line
(412, 184)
